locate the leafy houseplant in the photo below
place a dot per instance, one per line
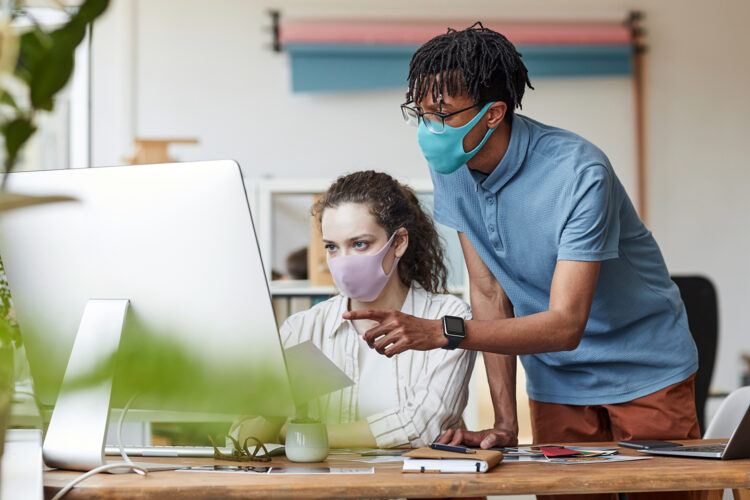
(35, 65)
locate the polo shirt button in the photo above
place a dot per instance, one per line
(491, 228)
(490, 201)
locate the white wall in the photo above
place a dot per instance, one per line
(197, 69)
(113, 76)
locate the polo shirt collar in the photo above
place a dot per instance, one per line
(415, 303)
(512, 159)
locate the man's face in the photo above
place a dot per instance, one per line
(449, 104)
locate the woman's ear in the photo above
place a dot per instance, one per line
(496, 114)
(401, 242)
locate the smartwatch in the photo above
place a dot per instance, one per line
(454, 330)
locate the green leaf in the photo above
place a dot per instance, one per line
(53, 69)
(16, 133)
(51, 75)
(69, 35)
(7, 99)
(33, 45)
(90, 10)
(75, 30)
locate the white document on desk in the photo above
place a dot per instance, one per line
(594, 460)
(312, 374)
(249, 469)
(374, 460)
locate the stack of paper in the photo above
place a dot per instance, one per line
(575, 451)
(583, 455)
(565, 454)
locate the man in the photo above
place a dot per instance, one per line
(561, 269)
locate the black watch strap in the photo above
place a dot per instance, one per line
(454, 330)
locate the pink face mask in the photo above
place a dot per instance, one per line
(361, 277)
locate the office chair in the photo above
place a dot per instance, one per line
(699, 296)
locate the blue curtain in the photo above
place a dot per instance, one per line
(334, 67)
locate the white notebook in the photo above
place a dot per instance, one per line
(444, 465)
(426, 459)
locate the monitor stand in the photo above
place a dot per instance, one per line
(77, 429)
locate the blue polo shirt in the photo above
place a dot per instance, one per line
(554, 196)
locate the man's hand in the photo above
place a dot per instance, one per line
(397, 332)
(488, 438)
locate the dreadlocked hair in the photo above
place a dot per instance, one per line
(394, 206)
(477, 61)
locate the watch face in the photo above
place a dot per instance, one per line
(455, 326)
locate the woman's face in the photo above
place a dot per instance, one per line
(350, 229)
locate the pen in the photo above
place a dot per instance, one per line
(447, 447)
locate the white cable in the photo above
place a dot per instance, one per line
(127, 463)
(97, 470)
(124, 455)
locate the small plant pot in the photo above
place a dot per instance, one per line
(306, 442)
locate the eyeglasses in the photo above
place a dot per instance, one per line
(435, 122)
(242, 453)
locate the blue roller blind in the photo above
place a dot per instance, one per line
(336, 67)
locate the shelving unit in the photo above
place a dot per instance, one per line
(261, 193)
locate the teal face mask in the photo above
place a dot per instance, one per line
(445, 152)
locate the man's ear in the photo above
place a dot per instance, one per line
(401, 242)
(496, 114)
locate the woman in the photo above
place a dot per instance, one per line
(384, 253)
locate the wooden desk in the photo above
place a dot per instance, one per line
(656, 474)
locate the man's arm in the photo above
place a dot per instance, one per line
(489, 302)
(559, 328)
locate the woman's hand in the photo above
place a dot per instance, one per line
(397, 332)
(488, 438)
(264, 428)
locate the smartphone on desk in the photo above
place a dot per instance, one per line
(647, 444)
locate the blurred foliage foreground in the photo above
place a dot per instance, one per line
(35, 64)
(155, 370)
(161, 373)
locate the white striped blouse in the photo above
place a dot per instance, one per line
(432, 385)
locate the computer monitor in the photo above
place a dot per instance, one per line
(165, 254)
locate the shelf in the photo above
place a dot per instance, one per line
(300, 288)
